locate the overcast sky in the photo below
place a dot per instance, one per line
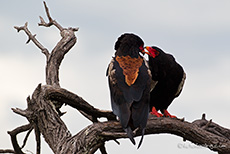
(196, 32)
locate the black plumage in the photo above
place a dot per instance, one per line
(129, 83)
(170, 78)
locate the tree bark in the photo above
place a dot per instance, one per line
(43, 112)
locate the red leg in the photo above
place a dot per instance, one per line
(154, 112)
(167, 114)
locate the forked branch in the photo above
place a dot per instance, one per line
(51, 21)
(13, 134)
(32, 37)
(55, 57)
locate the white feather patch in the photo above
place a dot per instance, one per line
(181, 85)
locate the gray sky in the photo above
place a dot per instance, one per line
(196, 32)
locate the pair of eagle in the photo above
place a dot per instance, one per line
(138, 87)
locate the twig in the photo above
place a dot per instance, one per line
(102, 149)
(6, 151)
(38, 139)
(208, 124)
(74, 29)
(203, 116)
(32, 37)
(116, 141)
(21, 112)
(51, 21)
(94, 149)
(13, 135)
(26, 137)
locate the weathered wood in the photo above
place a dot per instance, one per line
(13, 135)
(73, 100)
(61, 141)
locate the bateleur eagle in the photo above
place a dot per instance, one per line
(129, 82)
(170, 78)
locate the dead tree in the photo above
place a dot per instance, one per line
(43, 113)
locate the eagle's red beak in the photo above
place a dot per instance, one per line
(147, 52)
(151, 52)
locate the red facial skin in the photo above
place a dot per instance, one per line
(151, 52)
(142, 49)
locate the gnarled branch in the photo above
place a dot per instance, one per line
(60, 94)
(97, 133)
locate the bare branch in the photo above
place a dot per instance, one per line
(26, 137)
(21, 112)
(43, 23)
(51, 21)
(60, 94)
(32, 37)
(102, 149)
(203, 116)
(208, 124)
(6, 151)
(94, 149)
(13, 135)
(47, 11)
(212, 127)
(74, 29)
(191, 132)
(38, 139)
